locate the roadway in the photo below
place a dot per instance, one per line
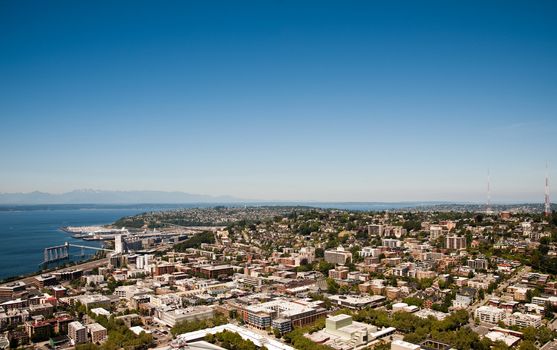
(497, 292)
(552, 345)
(85, 266)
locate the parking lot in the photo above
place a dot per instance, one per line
(161, 333)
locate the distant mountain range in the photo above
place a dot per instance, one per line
(95, 198)
(84, 199)
(111, 197)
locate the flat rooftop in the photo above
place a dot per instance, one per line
(285, 307)
(339, 317)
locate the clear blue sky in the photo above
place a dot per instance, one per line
(295, 100)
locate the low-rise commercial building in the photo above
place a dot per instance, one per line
(93, 301)
(357, 302)
(128, 292)
(174, 316)
(509, 339)
(399, 344)
(300, 312)
(215, 271)
(44, 280)
(403, 307)
(162, 269)
(341, 332)
(10, 290)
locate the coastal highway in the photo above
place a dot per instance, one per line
(85, 266)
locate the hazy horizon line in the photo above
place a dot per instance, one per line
(232, 199)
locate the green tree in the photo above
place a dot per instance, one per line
(190, 326)
(413, 301)
(527, 345)
(332, 286)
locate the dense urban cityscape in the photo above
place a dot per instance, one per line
(278, 175)
(297, 278)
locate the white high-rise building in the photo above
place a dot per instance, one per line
(143, 261)
(119, 244)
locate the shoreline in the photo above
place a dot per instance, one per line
(30, 232)
(66, 265)
(31, 275)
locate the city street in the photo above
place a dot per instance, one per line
(550, 346)
(85, 266)
(504, 285)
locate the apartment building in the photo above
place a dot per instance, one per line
(370, 252)
(455, 242)
(478, 264)
(97, 332)
(523, 320)
(436, 231)
(338, 256)
(391, 243)
(339, 273)
(375, 230)
(77, 332)
(489, 314)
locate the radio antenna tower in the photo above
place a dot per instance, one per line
(488, 204)
(547, 207)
